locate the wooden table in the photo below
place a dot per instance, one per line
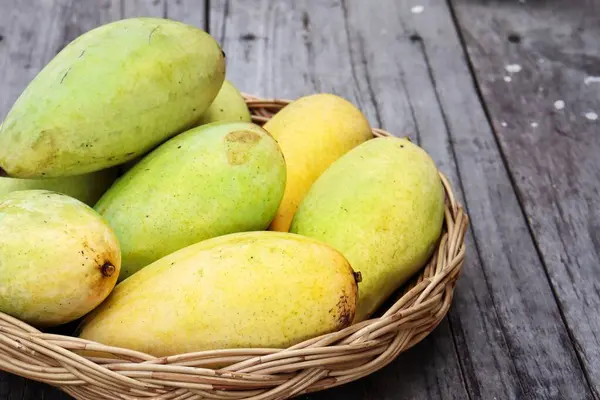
(503, 94)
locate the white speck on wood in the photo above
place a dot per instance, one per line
(591, 79)
(503, 124)
(534, 124)
(559, 104)
(507, 79)
(513, 68)
(592, 116)
(417, 9)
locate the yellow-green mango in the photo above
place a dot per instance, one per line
(313, 132)
(228, 106)
(58, 258)
(254, 289)
(87, 188)
(382, 206)
(109, 96)
(212, 180)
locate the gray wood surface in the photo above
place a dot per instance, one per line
(552, 153)
(524, 317)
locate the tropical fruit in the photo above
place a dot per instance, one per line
(382, 206)
(58, 258)
(87, 188)
(228, 106)
(313, 132)
(255, 289)
(212, 180)
(109, 96)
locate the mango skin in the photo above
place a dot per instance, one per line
(58, 258)
(228, 106)
(256, 289)
(87, 188)
(212, 180)
(313, 132)
(112, 94)
(382, 206)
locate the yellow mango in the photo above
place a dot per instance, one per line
(228, 106)
(254, 289)
(382, 206)
(313, 132)
(109, 96)
(58, 258)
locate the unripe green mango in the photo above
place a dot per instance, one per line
(212, 180)
(382, 206)
(58, 258)
(228, 106)
(87, 188)
(254, 289)
(112, 94)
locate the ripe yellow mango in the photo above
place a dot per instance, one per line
(255, 289)
(58, 258)
(228, 106)
(109, 96)
(212, 180)
(382, 206)
(87, 188)
(313, 132)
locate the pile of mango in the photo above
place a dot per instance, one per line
(138, 197)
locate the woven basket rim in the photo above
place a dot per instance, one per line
(258, 374)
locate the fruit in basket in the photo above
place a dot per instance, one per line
(212, 180)
(87, 188)
(255, 289)
(109, 96)
(58, 258)
(228, 106)
(382, 206)
(313, 132)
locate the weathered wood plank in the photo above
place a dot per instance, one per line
(407, 72)
(544, 120)
(31, 33)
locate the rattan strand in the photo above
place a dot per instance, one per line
(250, 374)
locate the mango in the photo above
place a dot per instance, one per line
(58, 258)
(87, 188)
(382, 206)
(313, 132)
(212, 180)
(256, 289)
(112, 94)
(228, 106)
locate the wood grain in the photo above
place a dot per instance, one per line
(553, 153)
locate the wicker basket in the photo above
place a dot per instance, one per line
(257, 374)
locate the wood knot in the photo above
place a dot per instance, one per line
(108, 269)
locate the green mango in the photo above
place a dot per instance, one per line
(212, 180)
(382, 206)
(228, 106)
(87, 188)
(112, 94)
(58, 258)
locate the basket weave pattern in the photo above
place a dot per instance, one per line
(257, 374)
